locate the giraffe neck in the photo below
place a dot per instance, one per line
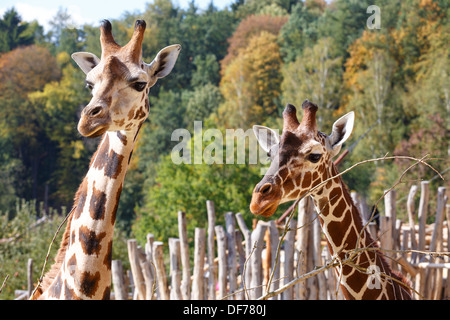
(84, 267)
(344, 230)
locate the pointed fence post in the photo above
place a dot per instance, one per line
(175, 270)
(222, 255)
(184, 248)
(199, 262)
(231, 245)
(211, 250)
(161, 276)
(256, 261)
(247, 275)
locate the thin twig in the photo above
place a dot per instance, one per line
(4, 283)
(49, 250)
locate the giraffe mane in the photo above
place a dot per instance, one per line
(59, 259)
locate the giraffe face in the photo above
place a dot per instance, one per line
(300, 158)
(120, 82)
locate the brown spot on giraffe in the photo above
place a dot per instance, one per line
(89, 283)
(72, 264)
(101, 157)
(114, 165)
(97, 207)
(108, 256)
(122, 138)
(90, 241)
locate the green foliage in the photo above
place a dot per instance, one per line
(187, 187)
(14, 32)
(22, 239)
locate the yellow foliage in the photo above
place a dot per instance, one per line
(251, 82)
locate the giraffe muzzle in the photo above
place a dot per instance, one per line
(265, 199)
(94, 121)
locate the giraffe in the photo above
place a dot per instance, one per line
(120, 82)
(301, 158)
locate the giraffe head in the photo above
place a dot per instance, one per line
(300, 157)
(120, 81)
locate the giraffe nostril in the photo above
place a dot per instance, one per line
(265, 189)
(95, 111)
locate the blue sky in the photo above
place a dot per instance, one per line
(88, 11)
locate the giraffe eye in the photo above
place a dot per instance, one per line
(139, 86)
(314, 157)
(89, 85)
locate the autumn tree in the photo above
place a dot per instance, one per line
(249, 27)
(251, 83)
(60, 103)
(24, 70)
(315, 75)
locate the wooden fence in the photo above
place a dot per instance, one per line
(238, 262)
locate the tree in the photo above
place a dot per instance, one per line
(251, 83)
(14, 32)
(59, 103)
(315, 75)
(186, 187)
(301, 30)
(250, 27)
(22, 71)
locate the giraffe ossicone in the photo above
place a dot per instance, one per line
(301, 162)
(120, 83)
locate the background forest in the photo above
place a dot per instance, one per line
(238, 67)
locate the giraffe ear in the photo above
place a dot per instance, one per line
(164, 61)
(86, 60)
(342, 129)
(266, 137)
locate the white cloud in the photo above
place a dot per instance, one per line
(44, 14)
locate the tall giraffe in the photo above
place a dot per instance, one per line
(120, 82)
(301, 159)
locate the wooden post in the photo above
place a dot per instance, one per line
(322, 282)
(231, 244)
(275, 267)
(211, 250)
(240, 295)
(30, 286)
(289, 249)
(184, 248)
(222, 255)
(149, 284)
(434, 276)
(150, 273)
(447, 285)
(120, 292)
(138, 277)
(422, 214)
(411, 217)
(256, 261)
(391, 212)
(386, 236)
(247, 275)
(161, 276)
(304, 209)
(199, 262)
(175, 270)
